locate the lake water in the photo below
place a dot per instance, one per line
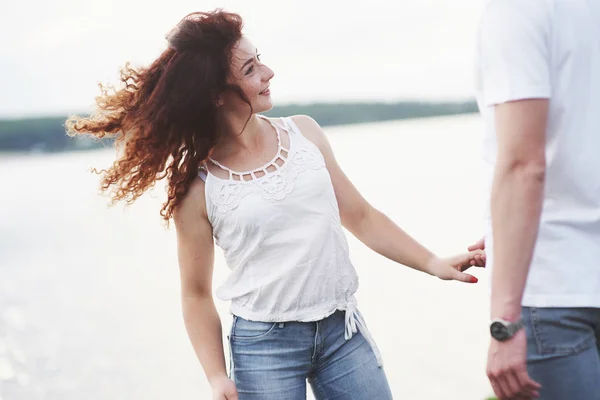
(89, 295)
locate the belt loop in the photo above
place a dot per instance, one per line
(281, 324)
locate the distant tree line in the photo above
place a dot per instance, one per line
(327, 114)
(48, 134)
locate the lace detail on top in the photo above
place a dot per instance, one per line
(302, 155)
(282, 154)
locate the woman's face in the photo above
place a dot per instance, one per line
(252, 76)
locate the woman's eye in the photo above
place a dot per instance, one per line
(258, 57)
(250, 70)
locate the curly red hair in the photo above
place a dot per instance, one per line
(164, 118)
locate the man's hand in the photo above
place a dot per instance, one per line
(480, 245)
(223, 388)
(507, 369)
(479, 259)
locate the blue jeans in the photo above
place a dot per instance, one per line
(563, 352)
(275, 360)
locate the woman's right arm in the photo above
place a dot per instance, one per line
(195, 250)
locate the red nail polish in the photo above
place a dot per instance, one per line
(474, 280)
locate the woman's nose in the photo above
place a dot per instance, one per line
(269, 74)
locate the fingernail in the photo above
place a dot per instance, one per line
(474, 280)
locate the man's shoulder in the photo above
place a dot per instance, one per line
(509, 12)
(517, 5)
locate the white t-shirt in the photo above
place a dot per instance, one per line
(550, 49)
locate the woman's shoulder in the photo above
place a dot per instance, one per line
(305, 125)
(310, 129)
(303, 120)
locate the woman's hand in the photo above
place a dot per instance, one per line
(223, 388)
(451, 268)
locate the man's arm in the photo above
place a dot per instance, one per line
(516, 81)
(517, 198)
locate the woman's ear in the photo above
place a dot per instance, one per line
(218, 101)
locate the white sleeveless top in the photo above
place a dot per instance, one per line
(282, 238)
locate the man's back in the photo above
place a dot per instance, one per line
(555, 54)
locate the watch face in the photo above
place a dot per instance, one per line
(499, 331)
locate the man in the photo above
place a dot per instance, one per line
(539, 93)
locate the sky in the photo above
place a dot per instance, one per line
(54, 53)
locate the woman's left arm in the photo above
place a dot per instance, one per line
(374, 228)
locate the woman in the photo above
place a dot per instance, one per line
(273, 197)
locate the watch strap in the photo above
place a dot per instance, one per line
(513, 327)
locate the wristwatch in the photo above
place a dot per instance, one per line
(502, 330)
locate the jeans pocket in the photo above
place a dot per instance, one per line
(243, 329)
(561, 331)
